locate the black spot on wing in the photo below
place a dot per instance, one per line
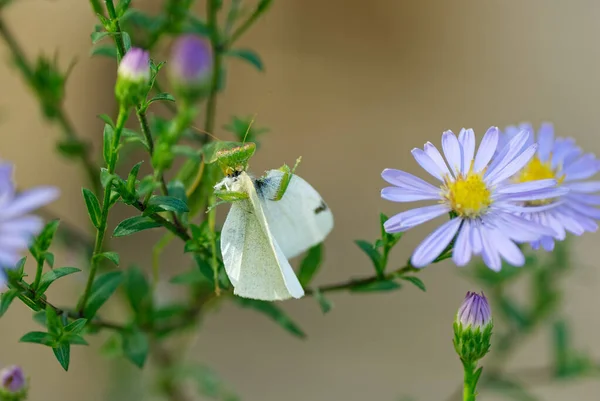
(321, 208)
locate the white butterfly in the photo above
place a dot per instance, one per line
(261, 233)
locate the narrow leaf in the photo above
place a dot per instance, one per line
(6, 299)
(416, 281)
(93, 206)
(53, 275)
(163, 203)
(63, 355)
(372, 253)
(161, 97)
(310, 264)
(112, 256)
(137, 288)
(247, 55)
(105, 50)
(274, 312)
(324, 303)
(104, 286)
(38, 337)
(76, 326)
(108, 137)
(135, 346)
(377, 286)
(133, 225)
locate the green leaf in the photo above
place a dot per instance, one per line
(62, 352)
(49, 257)
(93, 207)
(113, 347)
(135, 346)
(133, 225)
(514, 313)
(112, 256)
(75, 339)
(71, 148)
(104, 286)
(98, 36)
(76, 326)
(193, 276)
(324, 303)
(6, 299)
(44, 240)
(389, 240)
(274, 312)
(511, 388)
(310, 264)
(105, 50)
(416, 281)
(247, 55)
(106, 119)
(163, 203)
(53, 322)
(197, 26)
(161, 97)
(132, 177)
(373, 254)
(53, 275)
(38, 337)
(108, 138)
(377, 286)
(126, 41)
(137, 288)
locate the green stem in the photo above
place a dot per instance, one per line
(262, 7)
(470, 381)
(121, 119)
(112, 13)
(38, 273)
(211, 103)
(141, 115)
(97, 7)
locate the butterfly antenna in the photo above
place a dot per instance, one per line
(248, 129)
(205, 132)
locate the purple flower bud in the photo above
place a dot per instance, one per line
(474, 311)
(135, 65)
(191, 66)
(13, 379)
(473, 328)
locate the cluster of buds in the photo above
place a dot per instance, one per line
(473, 328)
(13, 384)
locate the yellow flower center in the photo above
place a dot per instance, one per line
(539, 170)
(468, 195)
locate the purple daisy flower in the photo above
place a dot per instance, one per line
(560, 159)
(13, 378)
(17, 226)
(484, 203)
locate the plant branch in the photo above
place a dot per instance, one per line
(363, 281)
(60, 116)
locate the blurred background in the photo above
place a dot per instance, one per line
(351, 86)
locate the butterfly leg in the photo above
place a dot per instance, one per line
(285, 180)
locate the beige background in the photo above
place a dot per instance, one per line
(351, 86)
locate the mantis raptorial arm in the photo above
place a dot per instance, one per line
(285, 180)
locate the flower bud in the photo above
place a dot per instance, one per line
(14, 384)
(133, 76)
(473, 328)
(191, 67)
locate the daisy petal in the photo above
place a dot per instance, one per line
(466, 138)
(489, 253)
(546, 141)
(582, 168)
(525, 186)
(396, 194)
(437, 158)
(410, 218)
(462, 248)
(452, 151)
(427, 163)
(538, 194)
(507, 249)
(486, 150)
(516, 164)
(584, 187)
(510, 151)
(29, 200)
(435, 243)
(406, 180)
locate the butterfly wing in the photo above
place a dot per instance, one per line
(255, 264)
(300, 219)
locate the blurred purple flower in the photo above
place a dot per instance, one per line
(17, 226)
(13, 378)
(191, 60)
(135, 65)
(560, 159)
(475, 311)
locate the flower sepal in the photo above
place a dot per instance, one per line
(472, 344)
